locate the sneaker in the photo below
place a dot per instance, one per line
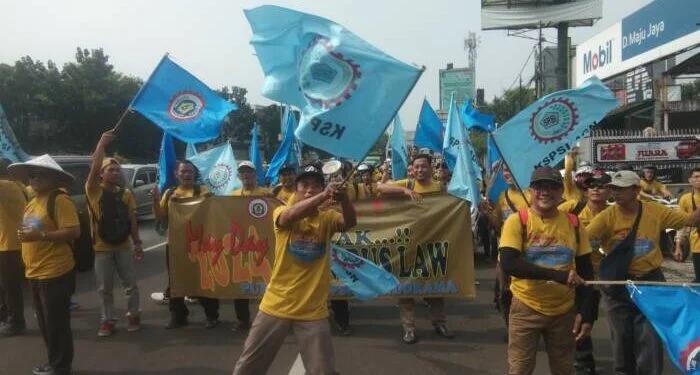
(160, 298)
(74, 306)
(443, 331)
(106, 329)
(43, 370)
(241, 326)
(175, 323)
(7, 329)
(409, 336)
(211, 323)
(191, 300)
(134, 323)
(345, 331)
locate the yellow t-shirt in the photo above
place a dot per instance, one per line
(284, 195)
(611, 226)
(179, 192)
(571, 191)
(421, 188)
(257, 192)
(301, 276)
(686, 204)
(585, 217)
(94, 195)
(551, 243)
(363, 191)
(502, 209)
(44, 259)
(653, 187)
(12, 203)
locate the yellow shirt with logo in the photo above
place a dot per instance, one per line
(257, 192)
(686, 204)
(502, 209)
(551, 243)
(94, 195)
(12, 203)
(611, 226)
(44, 259)
(285, 195)
(301, 275)
(179, 192)
(585, 217)
(419, 187)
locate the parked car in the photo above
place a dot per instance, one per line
(141, 179)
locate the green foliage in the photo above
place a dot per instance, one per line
(510, 103)
(690, 91)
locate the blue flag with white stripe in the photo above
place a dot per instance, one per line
(365, 279)
(166, 163)
(255, 156)
(674, 311)
(429, 129)
(399, 151)
(190, 150)
(287, 152)
(496, 182)
(348, 91)
(546, 130)
(181, 104)
(9, 146)
(474, 119)
(218, 169)
(465, 182)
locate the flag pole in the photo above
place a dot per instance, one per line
(354, 169)
(633, 282)
(121, 118)
(515, 181)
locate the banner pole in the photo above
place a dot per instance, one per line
(515, 181)
(121, 118)
(631, 282)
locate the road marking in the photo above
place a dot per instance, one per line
(154, 246)
(297, 367)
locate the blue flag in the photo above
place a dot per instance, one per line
(190, 150)
(474, 119)
(181, 104)
(287, 153)
(546, 130)
(218, 169)
(399, 151)
(465, 176)
(496, 182)
(674, 311)
(166, 163)
(365, 279)
(9, 147)
(255, 156)
(429, 129)
(347, 90)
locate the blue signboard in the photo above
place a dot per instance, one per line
(658, 23)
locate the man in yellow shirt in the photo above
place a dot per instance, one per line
(690, 202)
(12, 202)
(285, 190)
(651, 186)
(547, 254)
(574, 177)
(50, 224)
(423, 184)
(250, 188)
(297, 295)
(113, 221)
(636, 347)
(367, 187)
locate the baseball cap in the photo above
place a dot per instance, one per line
(364, 168)
(310, 170)
(288, 168)
(546, 174)
(598, 179)
(625, 179)
(247, 164)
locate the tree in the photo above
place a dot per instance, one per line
(510, 103)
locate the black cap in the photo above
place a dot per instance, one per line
(546, 174)
(598, 179)
(288, 168)
(310, 170)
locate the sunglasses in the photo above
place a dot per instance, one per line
(546, 185)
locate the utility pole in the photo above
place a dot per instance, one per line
(539, 75)
(562, 56)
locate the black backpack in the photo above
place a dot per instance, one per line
(82, 247)
(114, 225)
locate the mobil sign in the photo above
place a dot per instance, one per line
(600, 55)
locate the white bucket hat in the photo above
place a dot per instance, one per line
(41, 164)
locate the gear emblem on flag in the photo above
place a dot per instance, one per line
(185, 105)
(219, 176)
(327, 78)
(257, 208)
(690, 357)
(346, 260)
(554, 120)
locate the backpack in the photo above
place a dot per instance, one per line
(580, 205)
(81, 247)
(523, 214)
(114, 225)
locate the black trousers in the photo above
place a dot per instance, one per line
(52, 305)
(696, 266)
(242, 307)
(341, 312)
(179, 311)
(11, 279)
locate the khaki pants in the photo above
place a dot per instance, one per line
(524, 331)
(267, 335)
(408, 316)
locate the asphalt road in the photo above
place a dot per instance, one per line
(374, 348)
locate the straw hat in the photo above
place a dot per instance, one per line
(42, 164)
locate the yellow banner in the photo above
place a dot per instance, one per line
(223, 247)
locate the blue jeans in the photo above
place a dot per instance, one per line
(106, 264)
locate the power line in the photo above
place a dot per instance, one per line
(523, 68)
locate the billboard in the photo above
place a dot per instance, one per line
(661, 28)
(648, 150)
(458, 81)
(532, 14)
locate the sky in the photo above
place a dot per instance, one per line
(211, 38)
